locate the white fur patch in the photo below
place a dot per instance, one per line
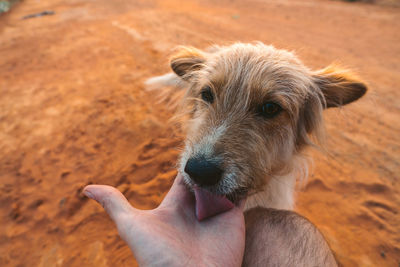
(207, 143)
(278, 194)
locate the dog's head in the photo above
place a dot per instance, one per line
(252, 109)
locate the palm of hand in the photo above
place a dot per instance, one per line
(170, 235)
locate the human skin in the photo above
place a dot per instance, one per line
(171, 235)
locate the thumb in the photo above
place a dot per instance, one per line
(112, 200)
(178, 195)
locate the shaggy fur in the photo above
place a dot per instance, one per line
(261, 157)
(283, 238)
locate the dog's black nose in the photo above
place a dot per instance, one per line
(203, 171)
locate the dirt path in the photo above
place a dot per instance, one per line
(73, 111)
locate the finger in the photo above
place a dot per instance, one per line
(179, 194)
(112, 200)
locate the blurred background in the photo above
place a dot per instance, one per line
(73, 111)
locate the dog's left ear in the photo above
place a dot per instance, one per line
(339, 87)
(187, 60)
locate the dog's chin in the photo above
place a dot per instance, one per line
(237, 195)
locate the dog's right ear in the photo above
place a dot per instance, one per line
(187, 60)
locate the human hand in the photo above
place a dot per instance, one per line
(171, 235)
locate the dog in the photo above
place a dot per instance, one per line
(252, 111)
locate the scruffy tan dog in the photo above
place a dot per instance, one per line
(253, 109)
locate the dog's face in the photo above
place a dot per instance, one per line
(252, 110)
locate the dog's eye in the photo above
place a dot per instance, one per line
(207, 95)
(269, 110)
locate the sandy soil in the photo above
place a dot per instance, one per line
(74, 111)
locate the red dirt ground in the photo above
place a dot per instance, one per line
(74, 111)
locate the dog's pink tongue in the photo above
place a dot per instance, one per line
(208, 204)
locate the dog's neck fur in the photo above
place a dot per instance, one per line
(278, 194)
(279, 191)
